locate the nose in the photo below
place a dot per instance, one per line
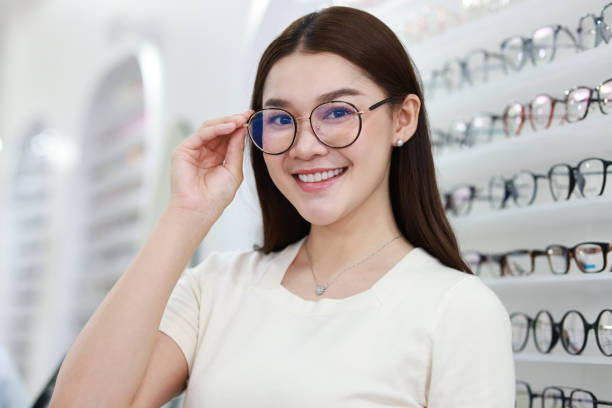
(306, 143)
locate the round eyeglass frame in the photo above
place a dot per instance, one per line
(359, 113)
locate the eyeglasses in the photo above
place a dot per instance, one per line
(481, 129)
(578, 100)
(593, 29)
(590, 257)
(522, 188)
(475, 68)
(555, 397)
(589, 175)
(541, 46)
(540, 112)
(440, 140)
(459, 199)
(485, 265)
(336, 124)
(572, 330)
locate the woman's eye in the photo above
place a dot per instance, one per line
(280, 120)
(336, 113)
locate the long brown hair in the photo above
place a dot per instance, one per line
(368, 43)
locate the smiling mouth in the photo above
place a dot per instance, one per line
(320, 176)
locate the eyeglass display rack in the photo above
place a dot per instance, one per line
(544, 222)
(29, 247)
(118, 178)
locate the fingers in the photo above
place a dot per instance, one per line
(240, 117)
(235, 152)
(214, 128)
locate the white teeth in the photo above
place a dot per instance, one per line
(313, 178)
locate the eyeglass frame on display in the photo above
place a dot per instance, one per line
(505, 268)
(533, 395)
(570, 253)
(465, 70)
(572, 177)
(598, 99)
(475, 194)
(510, 189)
(295, 119)
(528, 49)
(599, 20)
(498, 259)
(556, 330)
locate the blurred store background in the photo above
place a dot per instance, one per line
(95, 95)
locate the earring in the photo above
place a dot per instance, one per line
(399, 143)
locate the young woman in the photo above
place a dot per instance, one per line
(358, 296)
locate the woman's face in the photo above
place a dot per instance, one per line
(300, 80)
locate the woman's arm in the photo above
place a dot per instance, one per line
(107, 362)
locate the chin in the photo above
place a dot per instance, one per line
(319, 215)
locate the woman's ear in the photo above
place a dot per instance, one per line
(406, 119)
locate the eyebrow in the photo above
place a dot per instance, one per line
(328, 96)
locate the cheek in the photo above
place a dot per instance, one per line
(275, 169)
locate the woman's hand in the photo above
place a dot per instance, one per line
(200, 182)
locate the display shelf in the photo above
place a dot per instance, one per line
(518, 282)
(569, 359)
(129, 177)
(572, 212)
(586, 68)
(518, 18)
(535, 151)
(117, 150)
(115, 238)
(28, 184)
(130, 203)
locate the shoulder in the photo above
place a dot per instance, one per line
(239, 267)
(441, 290)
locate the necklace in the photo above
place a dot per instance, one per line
(321, 288)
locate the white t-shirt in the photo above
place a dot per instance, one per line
(424, 335)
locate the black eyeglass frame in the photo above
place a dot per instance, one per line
(565, 400)
(557, 332)
(570, 253)
(357, 111)
(573, 176)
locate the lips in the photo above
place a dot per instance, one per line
(317, 186)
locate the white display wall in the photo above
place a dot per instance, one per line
(545, 222)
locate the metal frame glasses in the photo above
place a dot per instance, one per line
(347, 108)
(542, 45)
(578, 100)
(596, 27)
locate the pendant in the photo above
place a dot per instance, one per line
(320, 289)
